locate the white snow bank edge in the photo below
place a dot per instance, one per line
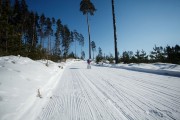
(138, 69)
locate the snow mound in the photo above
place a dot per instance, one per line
(20, 80)
(155, 68)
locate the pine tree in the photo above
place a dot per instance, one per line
(0, 7)
(143, 57)
(86, 6)
(48, 32)
(57, 50)
(24, 20)
(53, 21)
(75, 37)
(173, 54)
(81, 41)
(6, 27)
(83, 55)
(31, 32)
(177, 54)
(42, 29)
(66, 40)
(99, 57)
(157, 55)
(127, 56)
(93, 45)
(17, 13)
(17, 22)
(137, 55)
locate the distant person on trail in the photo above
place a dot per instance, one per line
(88, 66)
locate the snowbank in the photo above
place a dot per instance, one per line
(155, 68)
(20, 80)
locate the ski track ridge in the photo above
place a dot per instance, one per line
(82, 96)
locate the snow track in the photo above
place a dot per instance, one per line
(103, 93)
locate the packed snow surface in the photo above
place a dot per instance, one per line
(104, 92)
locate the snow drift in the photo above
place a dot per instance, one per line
(20, 79)
(155, 68)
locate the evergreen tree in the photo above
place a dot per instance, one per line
(71, 55)
(31, 34)
(81, 41)
(86, 6)
(93, 45)
(52, 33)
(24, 20)
(57, 37)
(16, 18)
(83, 55)
(99, 57)
(17, 12)
(42, 29)
(138, 57)
(173, 54)
(66, 40)
(177, 54)
(100, 52)
(125, 57)
(0, 7)
(75, 37)
(6, 27)
(158, 54)
(24, 9)
(143, 57)
(169, 53)
(110, 58)
(48, 32)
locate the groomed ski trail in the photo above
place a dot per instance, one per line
(103, 93)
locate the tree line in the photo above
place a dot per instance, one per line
(24, 32)
(166, 54)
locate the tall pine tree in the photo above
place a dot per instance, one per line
(57, 50)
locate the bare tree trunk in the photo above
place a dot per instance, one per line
(89, 37)
(115, 37)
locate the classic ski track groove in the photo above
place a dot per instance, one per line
(111, 95)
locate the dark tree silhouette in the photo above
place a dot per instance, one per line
(86, 6)
(42, 29)
(57, 50)
(115, 37)
(93, 45)
(66, 40)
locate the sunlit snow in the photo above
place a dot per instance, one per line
(70, 91)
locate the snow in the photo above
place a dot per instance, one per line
(156, 68)
(20, 79)
(104, 92)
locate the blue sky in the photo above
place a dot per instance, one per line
(140, 23)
